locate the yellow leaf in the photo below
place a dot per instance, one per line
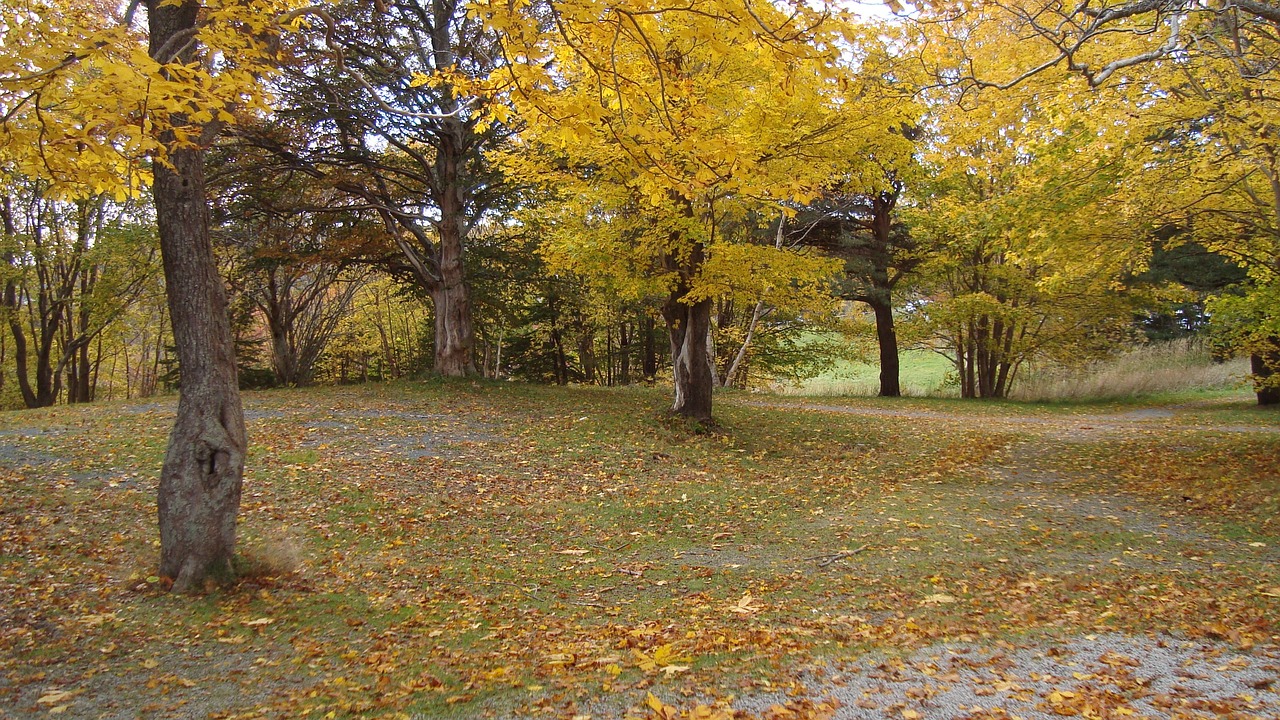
(654, 703)
(260, 621)
(644, 662)
(745, 606)
(561, 659)
(939, 599)
(52, 697)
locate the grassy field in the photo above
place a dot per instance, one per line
(472, 549)
(1142, 371)
(923, 374)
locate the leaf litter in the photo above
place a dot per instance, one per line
(796, 565)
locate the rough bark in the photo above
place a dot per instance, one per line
(688, 325)
(454, 330)
(455, 336)
(201, 479)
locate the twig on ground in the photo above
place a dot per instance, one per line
(606, 548)
(825, 560)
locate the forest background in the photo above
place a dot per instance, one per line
(400, 189)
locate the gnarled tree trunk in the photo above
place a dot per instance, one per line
(204, 464)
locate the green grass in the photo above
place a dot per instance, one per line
(922, 373)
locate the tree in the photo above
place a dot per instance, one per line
(391, 114)
(1029, 226)
(660, 122)
(85, 105)
(291, 240)
(1205, 69)
(203, 468)
(73, 268)
(859, 223)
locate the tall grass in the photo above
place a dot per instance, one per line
(1179, 365)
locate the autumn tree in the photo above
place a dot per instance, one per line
(1204, 71)
(73, 268)
(658, 122)
(1029, 224)
(165, 96)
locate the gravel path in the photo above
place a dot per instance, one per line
(1094, 676)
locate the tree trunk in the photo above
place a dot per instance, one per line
(624, 354)
(1264, 368)
(649, 356)
(688, 326)
(19, 347)
(587, 355)
(560, 363)
(203, 470)
(887, 338)
(283, 358)
(455, 333)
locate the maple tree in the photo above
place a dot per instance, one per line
(661, 124)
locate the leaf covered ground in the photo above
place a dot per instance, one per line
(472, 550)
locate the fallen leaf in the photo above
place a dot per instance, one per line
(53, 697)
(745, 606)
